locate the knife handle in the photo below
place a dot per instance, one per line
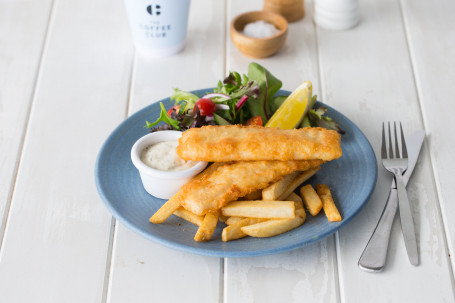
(374, 255)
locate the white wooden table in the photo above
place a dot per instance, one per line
(69, 75)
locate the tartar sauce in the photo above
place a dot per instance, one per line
(162, 156)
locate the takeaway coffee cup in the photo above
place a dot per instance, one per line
(158, 26)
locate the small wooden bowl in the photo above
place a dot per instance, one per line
(258, 47)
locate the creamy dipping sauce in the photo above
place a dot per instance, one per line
(162, 156)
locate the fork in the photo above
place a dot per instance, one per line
(397, 165)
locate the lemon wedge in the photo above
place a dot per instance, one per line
(290, 114)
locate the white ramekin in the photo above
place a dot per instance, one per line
(158, 183)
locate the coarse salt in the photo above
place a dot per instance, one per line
(260, 29)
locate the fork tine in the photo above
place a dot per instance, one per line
(404, 150)
(383, 143)
(397, 149)
(390, 144)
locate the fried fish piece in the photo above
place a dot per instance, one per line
(228, 182)
(253, 143)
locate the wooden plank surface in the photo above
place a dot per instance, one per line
(23, 27)
(143, 271)
(367, 75)
(61, 245)
(429, 26)
(57, 234)
(302, 275)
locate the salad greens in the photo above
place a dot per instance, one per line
(164, 117)
(315, 118)
(268, 85)
(238, 99)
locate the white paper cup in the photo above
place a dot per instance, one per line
(159, 26)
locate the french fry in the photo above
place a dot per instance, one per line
(234, 231)
(311, 199)
(293, 197)
(233, 219)
(207, 228)
(260, 209)
(328, 204)
(299, 180)
(297, 200)
(223, 218)
(256, 195)
(275, 190)
(274, 227)
(301, 212)
(189, 216)
(166, 210)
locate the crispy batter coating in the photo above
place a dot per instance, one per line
(228, 181)
(247, 143)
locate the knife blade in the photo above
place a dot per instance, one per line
(374, 256)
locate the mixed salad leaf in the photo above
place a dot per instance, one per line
(316, 118)
(238, 99)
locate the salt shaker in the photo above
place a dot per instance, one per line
(336, 14)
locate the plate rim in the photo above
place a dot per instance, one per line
(207, 251)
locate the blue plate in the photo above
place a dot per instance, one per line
(352, 179)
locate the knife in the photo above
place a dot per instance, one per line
(374, 255)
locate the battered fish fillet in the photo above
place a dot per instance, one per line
(230, 181)
(247, 143)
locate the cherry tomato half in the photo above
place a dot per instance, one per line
(206, 106)
(254, 121)
(174, 108)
